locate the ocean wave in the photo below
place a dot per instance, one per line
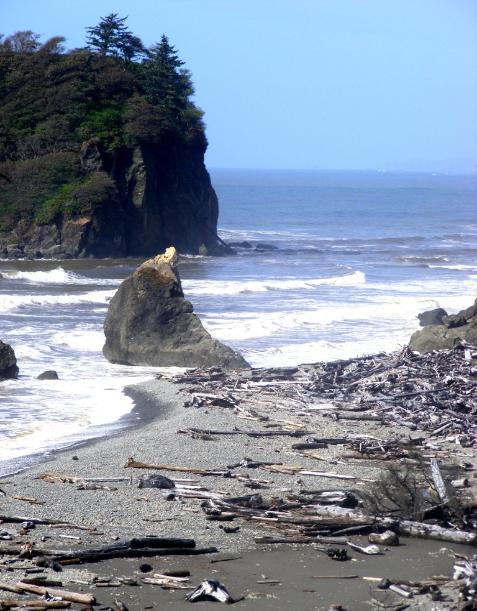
(386, 314)
(11, 302)
(428, 260)
(286, 355)
(235, 287)
(426, 288)
(460, 268)
(58, 275)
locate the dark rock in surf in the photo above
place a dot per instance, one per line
(263, 246)
(243, 244)
(50, 374)
(149, 322)
(8, 362)
(445, 335)
(431, 317)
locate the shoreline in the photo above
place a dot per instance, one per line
(119, 509)
(140, 414)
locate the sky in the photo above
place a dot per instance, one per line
(387, 85)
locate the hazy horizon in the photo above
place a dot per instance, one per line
(345, 85)
(429, 172)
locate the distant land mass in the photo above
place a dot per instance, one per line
(101, 149)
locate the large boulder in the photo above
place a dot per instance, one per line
(149, 322)
(442, 336)
(8, 362)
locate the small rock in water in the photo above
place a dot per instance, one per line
(388, 537)
(431, 317)
(145, 568)
(48, 375)
(265, 246)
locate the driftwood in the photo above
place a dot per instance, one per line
(132, 548)
(430, 531)
(439, 481)
(20, 519)
(37, 605)
(317, 520)
(9, 588)
(262, 433)
(131, 463)
(75, 597)
(28, 499)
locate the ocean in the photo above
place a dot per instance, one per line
(328, 266)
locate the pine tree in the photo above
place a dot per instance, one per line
(166, 83)
(111, 37)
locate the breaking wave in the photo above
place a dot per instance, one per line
(18, 301)
(58, 276)
(235, 287)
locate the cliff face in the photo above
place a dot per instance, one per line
(168, 199)
(159, 194)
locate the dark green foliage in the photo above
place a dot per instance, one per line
(32, 182)
(143, 121)
(111, 37)
(77, 198)
(105, 124)
(168, 85)
(46, 99)
(52, 100)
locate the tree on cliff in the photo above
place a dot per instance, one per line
(111, 37)
(24, 41)
(166, 83)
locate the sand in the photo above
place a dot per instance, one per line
(127, 511)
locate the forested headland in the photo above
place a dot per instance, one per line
(80, 129)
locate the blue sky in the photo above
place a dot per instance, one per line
(312, 84)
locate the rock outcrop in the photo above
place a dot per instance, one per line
(134, 203)
(100, 157)
(8, 362)
(149, 322)
(443, 335)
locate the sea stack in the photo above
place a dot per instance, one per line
(442, 335)
(149, 322)
(8, 362)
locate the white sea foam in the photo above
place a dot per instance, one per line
(10, 302)
(84, 338)
(235, 287)
(387, 314)
(58, 275)
(312, 352)
(460, 268)
(70, 409)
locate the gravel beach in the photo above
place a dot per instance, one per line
(279, 577)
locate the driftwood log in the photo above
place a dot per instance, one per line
(74, 597)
